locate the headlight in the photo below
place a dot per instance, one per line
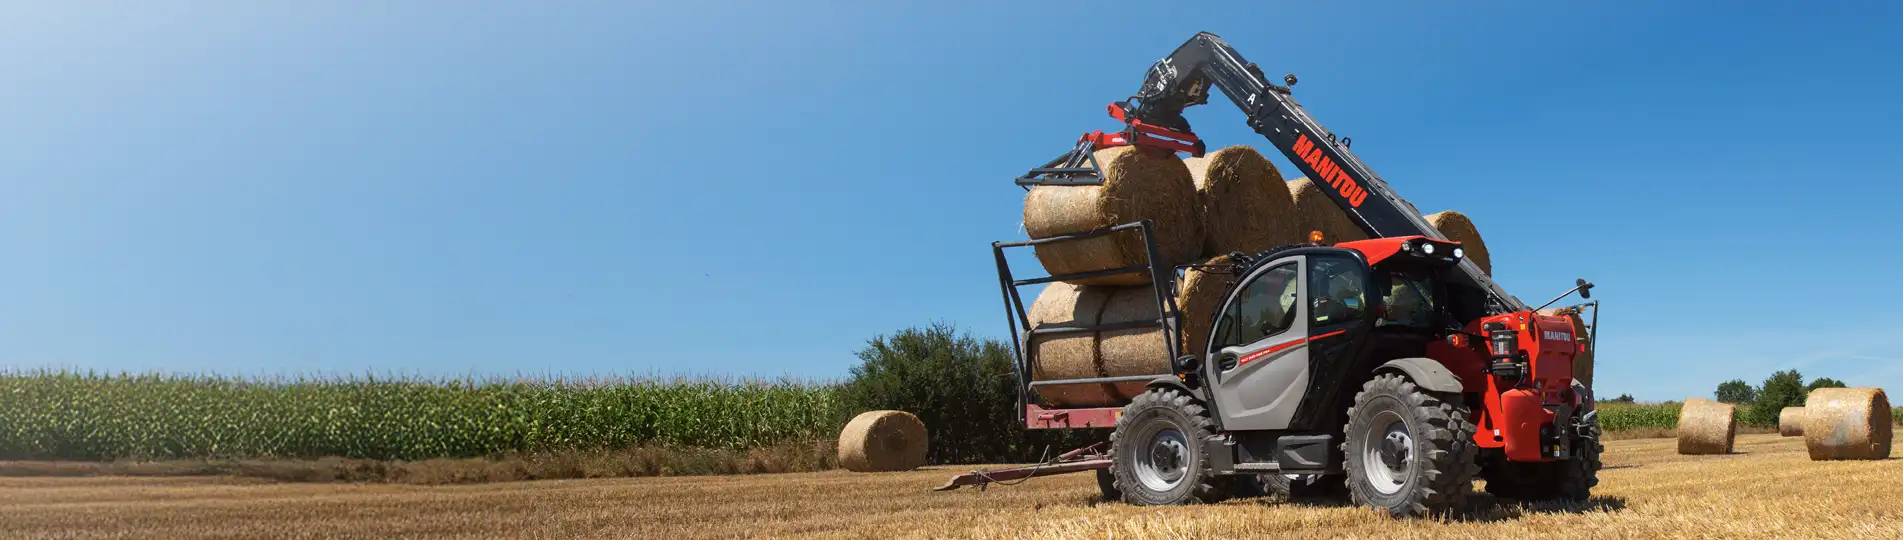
(1460, 253)
(1427, 248)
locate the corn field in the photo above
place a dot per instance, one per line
(75, 416)
(1621, 416)
(58, 415)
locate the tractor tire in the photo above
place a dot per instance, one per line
(1581, 473)
(1157, 455)
(1569, 480)
(1107, 486)
(1407, 451)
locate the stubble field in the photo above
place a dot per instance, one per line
(1769, 489)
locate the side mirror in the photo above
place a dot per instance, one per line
(1585, 289)
(1188, 363)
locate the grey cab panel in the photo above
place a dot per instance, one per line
(1259, 364)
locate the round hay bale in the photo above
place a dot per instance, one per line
(1245, 204)
(1455, 226)
(1315, 212)
(1198, 296)
(1139, 183)
(878, 441)
(1706, 427)
(1790, 422)
(1847, 423)
(1084, 355)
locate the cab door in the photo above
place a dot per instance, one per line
(1259, 362)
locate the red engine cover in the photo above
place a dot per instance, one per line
(1513, 415)
(1523, 411)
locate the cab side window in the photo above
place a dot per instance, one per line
(1263, 308)
(1335, 289)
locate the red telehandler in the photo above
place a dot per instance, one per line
(1392, 368)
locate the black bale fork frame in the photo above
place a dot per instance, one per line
(1017, 317)
(1075, 169)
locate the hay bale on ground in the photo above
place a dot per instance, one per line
(1706, 427)
(1245, 204)
(1847, 423)
(1116, 353)
(1455, 226)
(1790, 421)
(1314, 211)
(1139, 183)
(878, 441)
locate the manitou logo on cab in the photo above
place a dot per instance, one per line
(1328, 172)
(1558, 336)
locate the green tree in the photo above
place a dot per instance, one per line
(962, 388)
(1623, 398)
(1782, 389)
(1736, 391)
(1821, 382)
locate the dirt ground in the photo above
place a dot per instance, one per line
(1768, 489)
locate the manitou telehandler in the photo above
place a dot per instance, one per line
(1393, 369)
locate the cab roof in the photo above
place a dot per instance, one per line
(1381, 249)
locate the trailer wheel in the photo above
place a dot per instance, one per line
(1408, 452)
(1156, 452)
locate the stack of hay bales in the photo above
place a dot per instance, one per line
(1706, 427)
(1244, 203)
(1231, 200)
(1089, 355)
(1313, 208)
(880, 441)
(1847, 423)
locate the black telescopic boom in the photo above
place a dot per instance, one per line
(1183, 80)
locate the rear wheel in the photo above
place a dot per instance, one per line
(1408, 451)
(1156, 452)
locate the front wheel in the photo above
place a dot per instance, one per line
(1567, 480)
(1107, 486)
(1156, 452)
(1408, 451)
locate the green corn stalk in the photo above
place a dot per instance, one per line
(89, 416)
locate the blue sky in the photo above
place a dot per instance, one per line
(757, 188)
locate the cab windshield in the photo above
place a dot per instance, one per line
(1410, 300)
